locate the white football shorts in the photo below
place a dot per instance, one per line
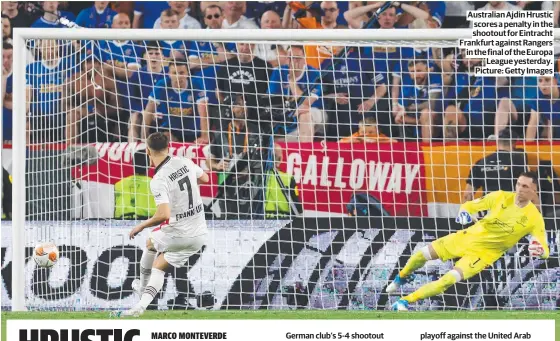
(176, 249)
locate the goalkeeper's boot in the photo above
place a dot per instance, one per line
(135, 311)
(398, 282)
(136, 287)
(400, 305)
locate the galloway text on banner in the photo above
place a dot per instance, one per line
(331, 173)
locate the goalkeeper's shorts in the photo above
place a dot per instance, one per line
(176, 249)
(459, 245)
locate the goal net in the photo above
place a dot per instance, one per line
(331, 162)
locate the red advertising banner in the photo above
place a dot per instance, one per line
(329, 174)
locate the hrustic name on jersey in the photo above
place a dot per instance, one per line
(175, 175)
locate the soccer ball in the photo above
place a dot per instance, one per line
(45, 255)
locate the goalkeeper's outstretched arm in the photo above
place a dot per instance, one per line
(477, 205)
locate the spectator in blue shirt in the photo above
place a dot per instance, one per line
(357, 16)
(400, 15)
(50, 18)
(422, 15)
(470, 100)
(420, 99)
(356, 91)
(142, 83)
(172, 49)
(147, 12)
(428, 14)
(45, 86)
(437, 13)
(384, 59)
(294, 80)
(177, 105)
(121, 57)
(100, 15)
(471, 108)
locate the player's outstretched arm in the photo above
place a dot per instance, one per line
(204, 178)
(163, 213)
(201, 175)
(470, 208)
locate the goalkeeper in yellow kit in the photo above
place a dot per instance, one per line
(512, 216)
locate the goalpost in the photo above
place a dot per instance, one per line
(360, 257)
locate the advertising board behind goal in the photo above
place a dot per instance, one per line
(336, 263)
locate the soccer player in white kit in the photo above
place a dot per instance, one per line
(181, 230)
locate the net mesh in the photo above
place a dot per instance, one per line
(331, 163)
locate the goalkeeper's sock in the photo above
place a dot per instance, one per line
(416, 261)
(154, 286)
(146, 263)
(434, 288)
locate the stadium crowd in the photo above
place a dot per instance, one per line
(121, 90)
(233, 96)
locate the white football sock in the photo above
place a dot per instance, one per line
(154, 286)
(146, 263)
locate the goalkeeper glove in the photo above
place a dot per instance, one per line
(536, 249)
(464, 218)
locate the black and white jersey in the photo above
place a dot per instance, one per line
(176, 183)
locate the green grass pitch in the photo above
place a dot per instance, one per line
(300, 314)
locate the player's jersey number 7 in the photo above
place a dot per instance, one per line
(186, 181)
